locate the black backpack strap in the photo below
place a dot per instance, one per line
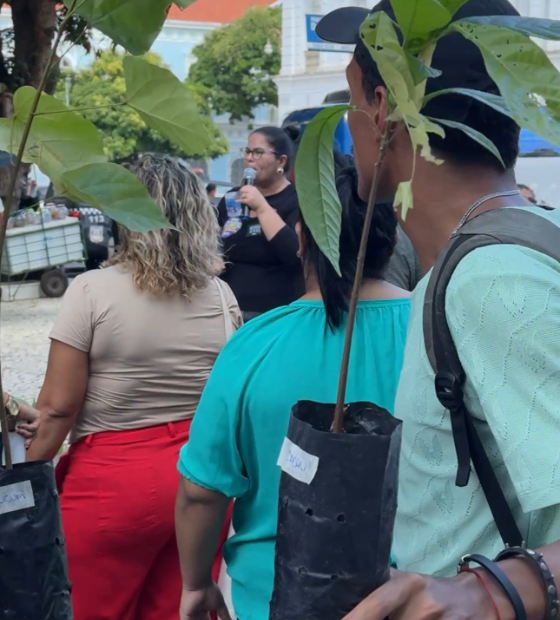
(513, 226)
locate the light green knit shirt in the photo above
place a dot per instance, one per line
(503, 309)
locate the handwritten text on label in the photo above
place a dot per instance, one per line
(297, 463)
(16, 497)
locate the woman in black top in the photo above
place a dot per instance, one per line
(261, 244)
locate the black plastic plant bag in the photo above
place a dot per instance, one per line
(34, 581)
(337, 509)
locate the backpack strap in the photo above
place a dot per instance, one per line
(511, 226)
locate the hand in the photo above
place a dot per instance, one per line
(197, 604)
(408, 596)
(27, 421)
(249, 195)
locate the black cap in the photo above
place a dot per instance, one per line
(459, 60)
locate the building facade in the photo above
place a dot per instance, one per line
(308, 75)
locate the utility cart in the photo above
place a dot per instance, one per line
(42, 250)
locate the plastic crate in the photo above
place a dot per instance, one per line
(34, 248)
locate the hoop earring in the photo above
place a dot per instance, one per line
(280, 171)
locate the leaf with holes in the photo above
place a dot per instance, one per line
(118, 193)
(474, 135)
(59, 140)
(526, 78)
(134, 24)
(530, 26)
(165, 104)
(316, 183)
(494, 101)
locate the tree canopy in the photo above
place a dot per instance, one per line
(233, 73)
(101, 88)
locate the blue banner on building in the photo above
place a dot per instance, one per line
(316, 44)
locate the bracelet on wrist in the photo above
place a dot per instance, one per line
(537, 561)
(501, 578)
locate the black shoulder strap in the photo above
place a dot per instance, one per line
(512, 226)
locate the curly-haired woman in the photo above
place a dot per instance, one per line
(131, 351)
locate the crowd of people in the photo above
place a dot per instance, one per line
(175, 367)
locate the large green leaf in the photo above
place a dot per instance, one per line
(474, 135)
(530, 26)
(59, 140)
(417, 19)
(316, 184)
(165, 104)
(527, 79)
(118, 193)
(134, 24)
(494, 101)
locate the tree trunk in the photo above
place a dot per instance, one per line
(35, 24)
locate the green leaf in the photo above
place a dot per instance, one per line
(403, 198)
(530, 26)
(165, 104)
(494, 101)
(526, 78)
(134, 24)
(417, 19)
(474, 135)
(183, 4)
(316, 183)
(59, 140)
(420, 71)
(453, 5)
(118, 193)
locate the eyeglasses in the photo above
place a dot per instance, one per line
(255, 153)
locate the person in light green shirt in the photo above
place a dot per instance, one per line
(290, 354)
(503, 310)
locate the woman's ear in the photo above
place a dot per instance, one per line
(301, 239)
(283, 160)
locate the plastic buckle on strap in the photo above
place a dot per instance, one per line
(449, 391)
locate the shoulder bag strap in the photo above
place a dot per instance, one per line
(228, 322)
(507, 226)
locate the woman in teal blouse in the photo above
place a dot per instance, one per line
(290, 354)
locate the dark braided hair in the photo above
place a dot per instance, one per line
(336, 290)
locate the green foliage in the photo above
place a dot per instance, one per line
(315, 183)
(60, 140)
(134, 24)
(183, 4)
(232, 72)
(101, 89)
(117, 192)
(165, 104)
(530, 26)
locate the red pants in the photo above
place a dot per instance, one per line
(118, 505)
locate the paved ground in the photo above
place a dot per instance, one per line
(24, 344)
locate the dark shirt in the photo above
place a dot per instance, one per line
(263, 274)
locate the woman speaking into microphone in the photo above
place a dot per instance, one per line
(258, 227)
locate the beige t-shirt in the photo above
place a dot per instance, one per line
(149, 358)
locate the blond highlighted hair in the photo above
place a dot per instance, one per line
(172, 262)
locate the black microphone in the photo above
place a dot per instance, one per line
(249, 176)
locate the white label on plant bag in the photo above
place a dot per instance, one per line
(297, 463)
(16, 497)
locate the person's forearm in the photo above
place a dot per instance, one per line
(271, 223)
(525, 578)
(199, 517)
(53, 430)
